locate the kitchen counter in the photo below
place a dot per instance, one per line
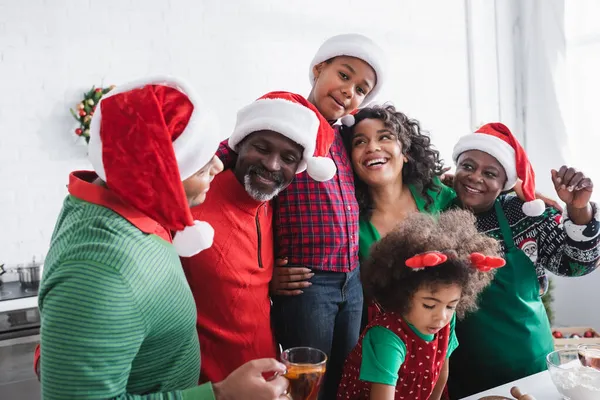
(14, 297)
(18, 304)
(539, 385)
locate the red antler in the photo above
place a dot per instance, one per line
(486, 263)
(430, 259)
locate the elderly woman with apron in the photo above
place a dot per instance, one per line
(509, 336)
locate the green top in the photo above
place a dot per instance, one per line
(118, 317)
(383, 353)
(442, 200)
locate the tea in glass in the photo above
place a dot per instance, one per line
(305, 369)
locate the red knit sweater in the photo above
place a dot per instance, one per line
(230, 280)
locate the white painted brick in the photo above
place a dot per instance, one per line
(230, 51)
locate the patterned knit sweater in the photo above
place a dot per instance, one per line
(562, 248)
(118, 317)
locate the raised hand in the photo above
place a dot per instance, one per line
(572, 186)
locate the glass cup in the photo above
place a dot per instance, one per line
(589, 355)
(305, 369)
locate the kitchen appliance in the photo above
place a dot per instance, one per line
(2, 272)
(19, 316)
(29, 276)
(19, 323)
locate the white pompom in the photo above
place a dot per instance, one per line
(534, 208)
(193, 239)
(321, 169)
(348, 120)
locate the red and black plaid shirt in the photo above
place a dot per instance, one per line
(316, 223)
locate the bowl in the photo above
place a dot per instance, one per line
(572, 380)
(589, 355)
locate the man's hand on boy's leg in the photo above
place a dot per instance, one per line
(289, 281)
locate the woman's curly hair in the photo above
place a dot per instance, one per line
(423, 163)
(387, 279)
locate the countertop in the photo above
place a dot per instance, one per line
(539, 385)
(14, 297)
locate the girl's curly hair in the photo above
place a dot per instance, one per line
(423, 163)
(387, 279)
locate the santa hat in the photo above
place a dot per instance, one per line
(498, 141)
(296, 118)
(147, 137)
(353, 45)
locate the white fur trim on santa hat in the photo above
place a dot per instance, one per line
(534, 208)
(288, 118)
(321, 168)
(193, 149)
(353, 45)
(496, 147)
(348, 120)
(193, 239)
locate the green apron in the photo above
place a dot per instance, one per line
(509, 337)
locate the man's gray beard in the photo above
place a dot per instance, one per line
(257, 194)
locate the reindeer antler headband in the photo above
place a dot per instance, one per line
(433, 258)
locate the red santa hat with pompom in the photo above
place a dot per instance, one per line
(293, 116)
(148, 136)
(498, 141)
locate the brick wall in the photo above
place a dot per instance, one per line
(230, 51)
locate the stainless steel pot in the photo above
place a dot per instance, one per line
(29, 276)
(2, 272)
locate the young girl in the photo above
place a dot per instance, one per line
(421, 274)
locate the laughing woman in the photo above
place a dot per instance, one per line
(396, 172)
(509, 336)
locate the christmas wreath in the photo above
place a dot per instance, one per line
(85, 109)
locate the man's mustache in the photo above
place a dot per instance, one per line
(276, 177)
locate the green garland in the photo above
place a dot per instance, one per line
(85, 110)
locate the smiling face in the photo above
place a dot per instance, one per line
(266, 164)
(432, 308)
(341, 85)
(479, 180)
(377, 156)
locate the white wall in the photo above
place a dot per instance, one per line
(577, 299)
(231, 51)
(534, 67)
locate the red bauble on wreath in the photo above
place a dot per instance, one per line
(85, 109)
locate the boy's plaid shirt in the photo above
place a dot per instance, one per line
(316, 223)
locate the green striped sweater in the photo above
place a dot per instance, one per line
(118, 317)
